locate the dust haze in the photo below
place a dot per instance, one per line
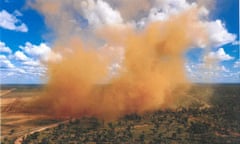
(116, 69)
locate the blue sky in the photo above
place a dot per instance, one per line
(25, 39)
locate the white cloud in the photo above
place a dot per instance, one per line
(35, 70)
(27, 69)
(19, 70)
(223, 69)
(216, 30)
(5, 63)
(28, 61)
(100, 13)
(32, 63)
(26, 66)
(3, 57)
(219, 55)
(236, 64)
(4, 48)
(11, 22)
(41, 51)
(206, 72)
(218, 34)
(235, 75)
(19, 55)
(35, 50)
(162, 10)
(14, 71)
(210, 67)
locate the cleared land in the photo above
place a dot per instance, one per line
(14, 124)
(214, 119)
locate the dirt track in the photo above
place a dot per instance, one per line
(5, 92)
(20, 139)
(17, 125)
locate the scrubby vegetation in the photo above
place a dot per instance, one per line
(218, 124)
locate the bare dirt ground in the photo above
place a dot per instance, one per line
(16, 125)
(5, 92)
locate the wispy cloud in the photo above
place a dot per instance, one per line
(219, 55)
(4, 48)
(236, 64)
(19, 55)
(218, 34)
(236, 42)
(201, 72)
(11, 22)
(5, 63)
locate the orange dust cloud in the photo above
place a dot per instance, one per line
(150, 75)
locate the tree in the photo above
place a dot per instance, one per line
(11, 131)
(45, 141)
(142, 137)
